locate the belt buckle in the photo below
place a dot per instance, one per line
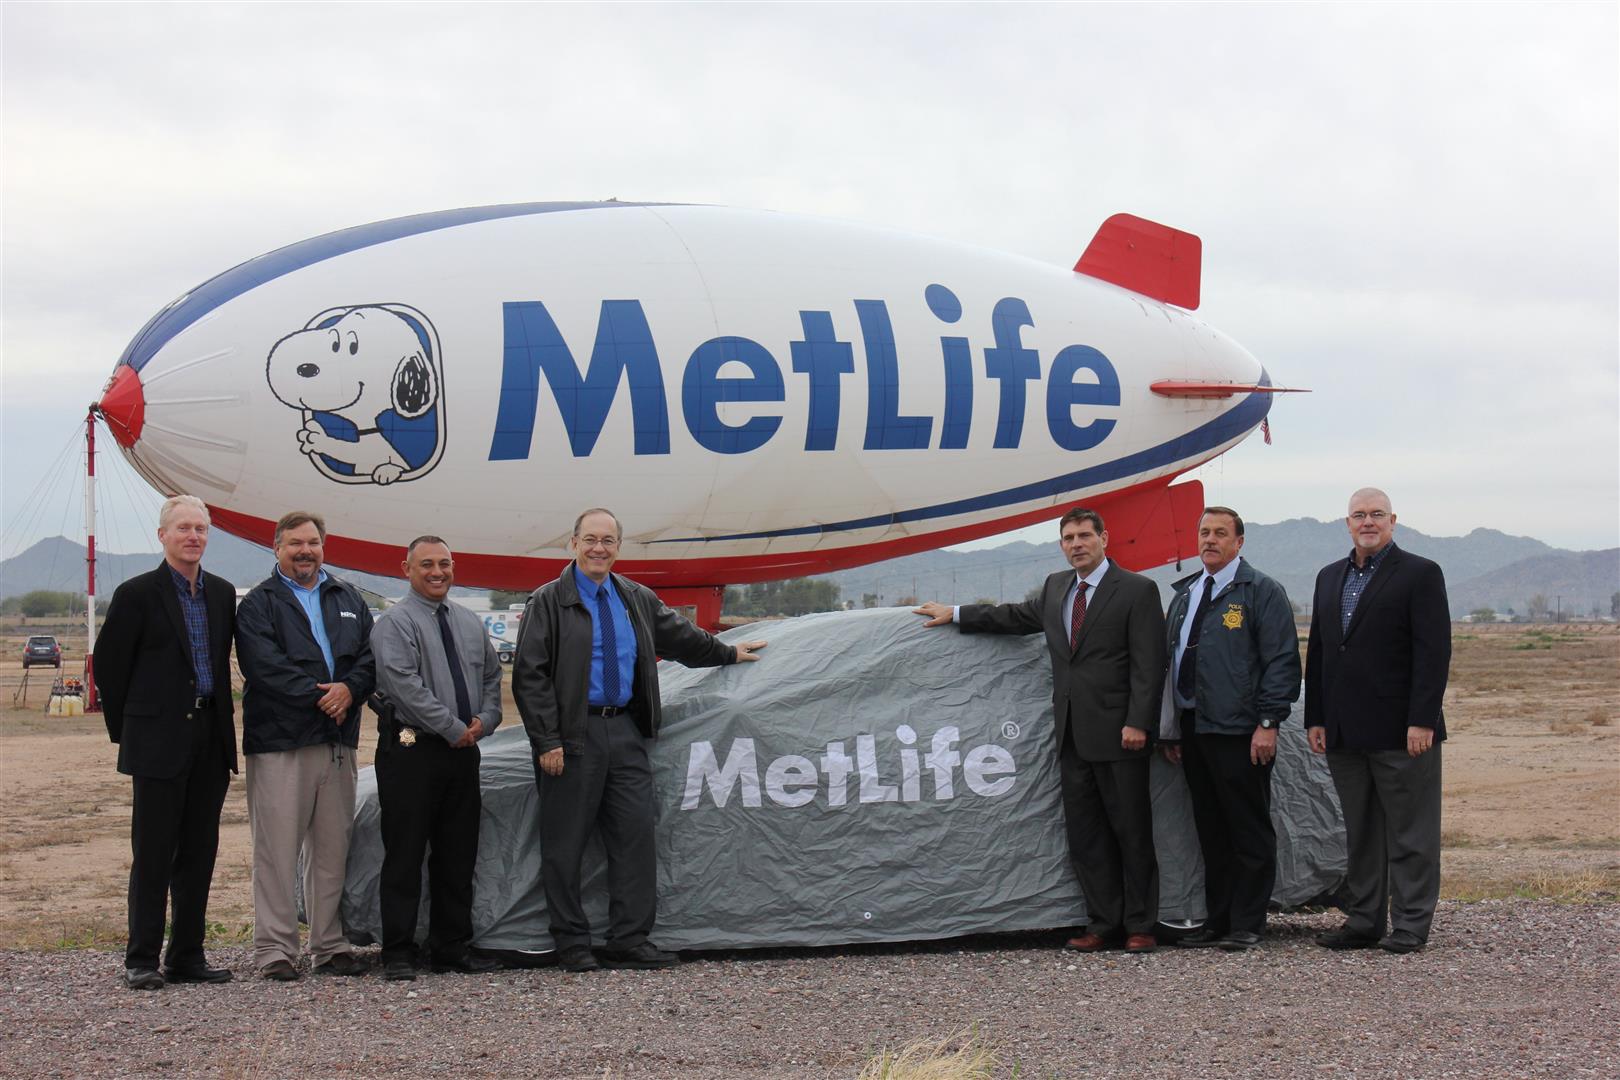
(200, 703)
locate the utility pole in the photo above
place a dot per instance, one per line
(92, 702)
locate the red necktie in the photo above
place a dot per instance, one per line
(1079, 614)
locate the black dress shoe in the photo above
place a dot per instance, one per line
(279, 971)
(1204, 938)
(467, 963)
(577, 958)
(644, 957)
(201, 973)
(399, 971)
(1240, 940)
(1346, 938)
(143, 979)
(1401, 941)
(342, 963)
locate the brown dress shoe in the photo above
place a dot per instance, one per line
(1140, 943)
(1087, 942)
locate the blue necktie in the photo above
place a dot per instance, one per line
(610, 647)
(463, 702)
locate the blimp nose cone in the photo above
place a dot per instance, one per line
(123, 406)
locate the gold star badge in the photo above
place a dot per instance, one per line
(1233, 619)
(407, 736)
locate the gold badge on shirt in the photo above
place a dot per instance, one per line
(1233, 619)
(407, 736)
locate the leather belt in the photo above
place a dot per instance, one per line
(607, 710)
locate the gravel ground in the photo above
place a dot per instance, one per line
(1512, 989)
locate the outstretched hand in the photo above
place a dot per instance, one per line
(748, 650)
(938, 614)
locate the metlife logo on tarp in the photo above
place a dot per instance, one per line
(880, 781)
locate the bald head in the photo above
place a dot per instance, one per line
(1372, 522)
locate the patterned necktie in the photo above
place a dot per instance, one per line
(610, 647)
(463, 702)
(1186, 677)
(1079, 616)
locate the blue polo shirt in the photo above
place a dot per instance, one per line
(310, 601)
(624, 635)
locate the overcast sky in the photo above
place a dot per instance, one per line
(1411, 210)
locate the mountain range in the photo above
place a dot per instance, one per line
(1486, 568)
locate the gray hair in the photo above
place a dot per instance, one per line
(600, 510)
(174, 503)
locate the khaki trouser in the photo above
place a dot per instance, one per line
(300, 800)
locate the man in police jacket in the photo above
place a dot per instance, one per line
(1234, 671)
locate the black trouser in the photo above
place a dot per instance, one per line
(1231, 800)
(608, 786)
(173, 837)
(430, 801)
(1108, 810)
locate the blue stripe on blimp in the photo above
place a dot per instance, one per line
(1230, 425)
(222, 288)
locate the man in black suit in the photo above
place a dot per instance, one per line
(1106, 634)
(163, 667)
(1375, 675)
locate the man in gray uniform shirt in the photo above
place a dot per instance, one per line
(440, 681)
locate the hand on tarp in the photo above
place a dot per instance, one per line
(748, 650)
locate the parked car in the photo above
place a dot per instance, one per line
(42, 649)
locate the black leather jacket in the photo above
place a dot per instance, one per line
(551, 675)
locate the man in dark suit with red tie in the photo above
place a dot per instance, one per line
(1105, 631)
(1375, 675)
(163, 668)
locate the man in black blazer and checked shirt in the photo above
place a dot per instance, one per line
(163, 666)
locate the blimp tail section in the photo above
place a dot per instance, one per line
(1146, 257)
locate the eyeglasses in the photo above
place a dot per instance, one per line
(1374, 515)
(609, 542)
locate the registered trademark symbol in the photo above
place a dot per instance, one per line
(1009, 730)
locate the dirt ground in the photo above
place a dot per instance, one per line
(1532, 788)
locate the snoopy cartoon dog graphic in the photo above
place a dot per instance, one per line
(367, 381)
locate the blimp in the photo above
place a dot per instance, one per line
(757, 395)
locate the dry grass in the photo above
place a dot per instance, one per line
(1599, 718)
(962, 1056)
(1600, 886)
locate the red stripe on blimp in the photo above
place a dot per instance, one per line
(1148, 525)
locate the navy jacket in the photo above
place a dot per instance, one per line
(281, 664)
(1248, 652)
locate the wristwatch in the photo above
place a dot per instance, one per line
(1267, 723)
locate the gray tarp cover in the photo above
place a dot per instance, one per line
(867, 780)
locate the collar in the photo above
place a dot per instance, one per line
(433, 606)
(588, 589)
(1094, 578)
(320, 580)
(179, 579)
(1372, 563)
(1223, 577)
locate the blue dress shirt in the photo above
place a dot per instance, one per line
(310, 601)
(624, 635)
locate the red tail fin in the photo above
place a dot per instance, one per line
(1146, 257)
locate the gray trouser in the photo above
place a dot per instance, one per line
(299, 800)
(1391, 805)
(608, 787)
